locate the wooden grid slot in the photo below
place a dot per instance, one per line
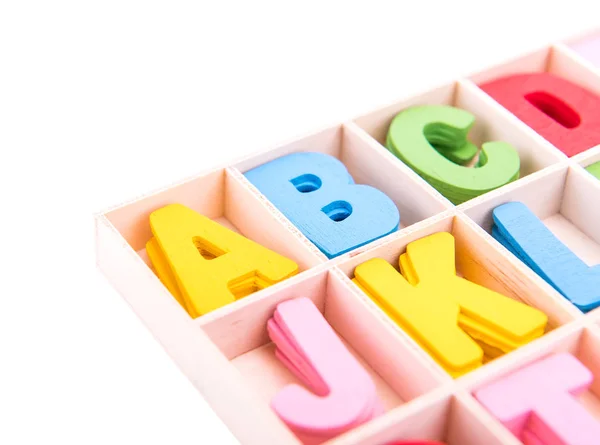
(218, 195)
(366, 166)
(478, 260)
(557, 59)
(580, 339)
(221, 196)
(241, 336)
(565, 199)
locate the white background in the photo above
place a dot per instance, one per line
(101, 101)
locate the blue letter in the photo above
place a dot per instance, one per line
(521, 232)
(318, 195)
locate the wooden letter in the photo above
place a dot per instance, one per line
(423, 137)
(317, 194)
(207, 266)
(343, 395)
(562, 112)
(521, 232)
(453, 319)
(538, 402)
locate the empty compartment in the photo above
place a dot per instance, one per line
(221, 196)
(583, 343)
(565, 199)
(367, 166)
(491, 124)
(241, 335)
(478, 260)
(449, 419)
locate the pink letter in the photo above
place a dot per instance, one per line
(343, 394)
(537, 402)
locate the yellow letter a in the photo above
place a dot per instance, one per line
(205, 265)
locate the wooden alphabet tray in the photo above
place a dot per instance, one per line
(524, 236)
